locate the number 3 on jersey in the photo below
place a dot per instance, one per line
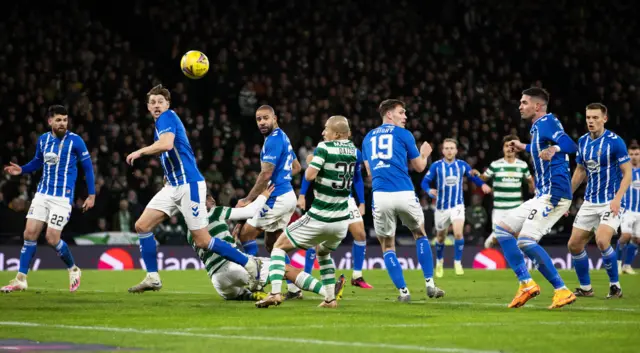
(381, 147)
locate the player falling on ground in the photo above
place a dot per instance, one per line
(508, 174)
(231, 280)
(449, 173)
(550, 148)
(630, 227)
(57, 153)
(185, 192)
(356, 225)
(325, 224)
(603, 159)
(388, 151)
(278, 163)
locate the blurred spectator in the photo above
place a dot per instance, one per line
(476, 218)
(122, 220)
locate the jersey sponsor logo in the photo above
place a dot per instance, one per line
(593, 166)
(511, 180)
(635, 184)
(557, 134)
(115, 259)
(51, 158)
(451, 180)
(381, 164)
(268, 158)
(165, 130)
(85, 153)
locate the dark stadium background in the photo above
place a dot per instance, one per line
(459, 65)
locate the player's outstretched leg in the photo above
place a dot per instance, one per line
(528, 287)
(358, 250)
(32, 230)
(328, 275)
(149, 219)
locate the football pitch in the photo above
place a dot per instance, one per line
(188, 316)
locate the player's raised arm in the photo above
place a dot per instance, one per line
(166, 128)
(418, 159)
(243, 213)
(475, 179)
(33, 165)
(555, 132)
(319, 156)
(82, 154)
(431, 175)
(271, 150)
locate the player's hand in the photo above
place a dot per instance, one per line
(133, 156)
(486, 189)
(433, 193)
(12, 169)
(361, 209)
(426, 149)
(242, 203)
(267, 192)
(474, 172)
(615, 206)
(548, 153)
(237, 229)
(88, 203)
(517, 146)
(302, 202)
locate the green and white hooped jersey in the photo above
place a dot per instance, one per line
(507, 182)
(336, 162)
(218, 228)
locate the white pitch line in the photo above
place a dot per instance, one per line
(249, 338)
(420, 301)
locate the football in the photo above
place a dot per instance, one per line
(194, 64)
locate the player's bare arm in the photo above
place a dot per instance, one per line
(164, 144)
(624, 185)
(266, 170)
(578, 178)
(532, 185)
(311, 173)
(295, 167)
(419, 163)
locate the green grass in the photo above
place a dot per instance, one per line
(188, 316)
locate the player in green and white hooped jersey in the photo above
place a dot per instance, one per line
(508, 174)
(231, 280)
(325, 224)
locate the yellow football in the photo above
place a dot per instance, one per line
(194, 64)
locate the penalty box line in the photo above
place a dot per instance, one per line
(248, 338)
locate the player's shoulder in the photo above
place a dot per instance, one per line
(521, 163)
(497, 163)
(45, 136)
(322, 144)
(612, 136)
(583, 138)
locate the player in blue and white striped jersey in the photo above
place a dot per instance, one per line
(550, 148)
(603, 159)
(185, 192)
(449, 173)
(630, 227)
(57, 154)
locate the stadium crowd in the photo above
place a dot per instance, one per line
(459, 65)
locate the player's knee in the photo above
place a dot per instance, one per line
(524, 242)
(603, 243)
(142, 226)
(575, 246)
(52, 236)
(30, 234)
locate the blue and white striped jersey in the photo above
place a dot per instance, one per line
(551, 177)
(601, 159)
(179, 163)
(59, 159)
(448, 178)
(277, 150)
(632, 197)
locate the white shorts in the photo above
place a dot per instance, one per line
(535, 217)
(231, 280)
(631, 223)
(307, 232)
(53, 210)
(275, 217)
(498, 215)
(444, 218)
(591, 215)
(354, 212)
(188, 199)
(388, 206)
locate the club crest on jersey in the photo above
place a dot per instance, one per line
(51, 158)
(451, 180)
(593, 166)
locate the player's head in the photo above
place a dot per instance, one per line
(634, 154)
(211, 202)
(336, 128)
(393, 112)
(449, 149)
(506, 149)
(158, 101)
(58, 119)
(596, 117)
(534, 102)
(266, 119)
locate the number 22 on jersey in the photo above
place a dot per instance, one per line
(381, 146)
